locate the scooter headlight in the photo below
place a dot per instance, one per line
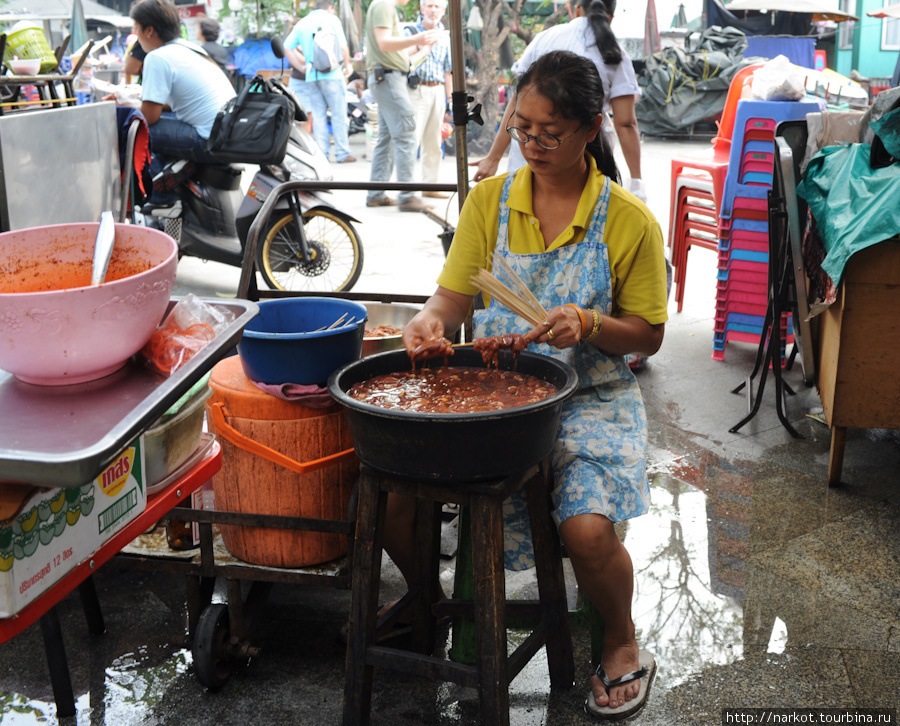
(297, 169)
(279, 172)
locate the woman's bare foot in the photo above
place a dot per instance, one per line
(618, 660)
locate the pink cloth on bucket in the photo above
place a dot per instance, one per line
(310, 396)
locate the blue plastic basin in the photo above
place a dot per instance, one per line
(283, 344)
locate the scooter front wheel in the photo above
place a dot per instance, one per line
(335, 254)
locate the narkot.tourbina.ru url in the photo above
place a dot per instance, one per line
(777, 716)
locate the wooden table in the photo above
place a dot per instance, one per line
(857, 349)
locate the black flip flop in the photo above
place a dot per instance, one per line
(645, 673)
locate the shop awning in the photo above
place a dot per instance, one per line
(891, 11)
(40, 10)
(819, 10)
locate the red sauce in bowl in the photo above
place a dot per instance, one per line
(58, 273)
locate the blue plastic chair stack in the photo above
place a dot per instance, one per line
(743, 246)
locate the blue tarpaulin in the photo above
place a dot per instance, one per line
(255, 54)
(799, 51)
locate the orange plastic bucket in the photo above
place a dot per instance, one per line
(282, 458)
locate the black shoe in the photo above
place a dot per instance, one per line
(172, 177)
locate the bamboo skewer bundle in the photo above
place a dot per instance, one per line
(519, 284)
(339, 323)
(510, 290)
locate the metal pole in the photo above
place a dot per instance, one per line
(460, 97)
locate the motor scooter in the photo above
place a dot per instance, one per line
(356, 113)
(308, 244)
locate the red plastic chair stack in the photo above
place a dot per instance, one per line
(694, 224)
(700, 182)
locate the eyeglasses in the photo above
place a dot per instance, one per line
(545, 141)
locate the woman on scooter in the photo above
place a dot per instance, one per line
(182, 90)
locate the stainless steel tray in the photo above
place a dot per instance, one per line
(63, 436)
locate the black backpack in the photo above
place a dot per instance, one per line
(254, 126)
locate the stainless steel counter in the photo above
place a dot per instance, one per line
(63, 436)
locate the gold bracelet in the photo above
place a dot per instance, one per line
(598, 323)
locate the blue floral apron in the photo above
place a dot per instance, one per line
(598, 460)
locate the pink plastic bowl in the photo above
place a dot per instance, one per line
(55, 329)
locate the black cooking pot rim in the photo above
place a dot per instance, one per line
(564, 392)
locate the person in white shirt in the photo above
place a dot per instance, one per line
(322, 91)
(589, 35)
(430, 93)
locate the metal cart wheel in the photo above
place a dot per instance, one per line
(210, 650)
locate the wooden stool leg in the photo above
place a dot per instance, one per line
(597, 627)
(428, 553)
(551, 583)
(490, 609)
(463, 649)
(363, 600)
(836, 455)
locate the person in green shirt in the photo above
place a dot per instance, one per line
(387, 66)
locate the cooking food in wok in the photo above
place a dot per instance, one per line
(452, 390)
(455, 446)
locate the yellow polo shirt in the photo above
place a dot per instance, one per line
(633, 239)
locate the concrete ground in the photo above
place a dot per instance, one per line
(757, 586)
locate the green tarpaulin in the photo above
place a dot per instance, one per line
(855, 206)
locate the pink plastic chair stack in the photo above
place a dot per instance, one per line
(742, 284)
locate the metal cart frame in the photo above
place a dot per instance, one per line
(220, 634)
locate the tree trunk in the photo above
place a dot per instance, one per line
(484, 87)
(487, 74)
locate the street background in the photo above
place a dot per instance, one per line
(756, 585)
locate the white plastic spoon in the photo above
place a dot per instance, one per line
(103, 247)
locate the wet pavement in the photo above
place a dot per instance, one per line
(757, 585)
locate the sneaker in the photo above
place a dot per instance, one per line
(347, 160)
(381, 202)
(165, 210)
(436, 195)
(173, 176)
(413, 204)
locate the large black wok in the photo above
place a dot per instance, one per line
(452, 447)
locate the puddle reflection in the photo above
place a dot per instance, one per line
(681, 608)
(130, 692)
(133, 690)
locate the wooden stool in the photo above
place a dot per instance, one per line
(494, 668)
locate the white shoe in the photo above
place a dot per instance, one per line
(172, 211)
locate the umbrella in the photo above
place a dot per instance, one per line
(15, 10)
(651, 30)
(680, 19)
(818, 10)
(78, 26)
(891, 11)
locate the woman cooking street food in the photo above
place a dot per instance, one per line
(592, 253)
